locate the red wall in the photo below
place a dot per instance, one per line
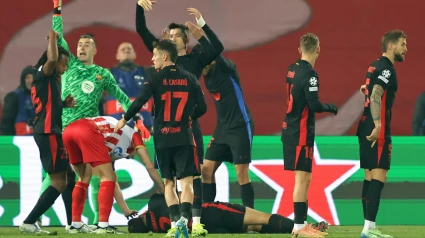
(349, 31)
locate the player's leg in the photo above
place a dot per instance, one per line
(270, 223)
(299, 160)
(380, 157)
(240, 142)
(186, 166)
(164, 164)
(54, 163)
(197, 182)
(216, 154)
(46, 183)
(364, 164)
(71, 136)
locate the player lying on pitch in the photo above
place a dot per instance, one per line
(218, 217)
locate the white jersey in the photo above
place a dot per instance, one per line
(121, 143)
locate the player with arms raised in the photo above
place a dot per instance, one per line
(302, 85)
(178, 98)
(374, 130)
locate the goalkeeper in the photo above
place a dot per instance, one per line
(86, 82)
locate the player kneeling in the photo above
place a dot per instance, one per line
(218, 217)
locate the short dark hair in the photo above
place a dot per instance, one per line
(183, 28)
(391, 37)
(169, 47)
(89, 36)
(43, 59)
(309, 42)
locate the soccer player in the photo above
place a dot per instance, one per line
(218, 217)
(192, 62)
(178, 98)
(374, 129)
(46, 99)
(302, 85)
(125, 144)
(232, 139)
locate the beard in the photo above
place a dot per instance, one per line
(398, 57)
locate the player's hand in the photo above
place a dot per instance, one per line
(144, 132)
(70, 101)
(194, 12)
(121, 123)
(194, 30)
(333, 108)
(373, 136)
(146, 4)
(165, 34)
(363, 89)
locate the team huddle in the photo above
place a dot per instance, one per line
(77, 145)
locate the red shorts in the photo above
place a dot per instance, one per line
(85, 143)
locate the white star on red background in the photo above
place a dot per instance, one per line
(327, 174)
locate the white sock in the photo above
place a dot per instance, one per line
(196, 220)
(77, 225)
(368, 225)
(298, 226)
(103, 224)
(305, 222)
(173, 224)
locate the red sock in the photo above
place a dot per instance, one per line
(106, 199)
(79, 195)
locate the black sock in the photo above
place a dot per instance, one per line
(306, 210)
(247, 194)
(366, 184)
(278, 224)
(373, 199)
(209, 191)
(46, 200)
(67, 199)
(299, 210)
(197, 198)
(186, 210)
(174, 212)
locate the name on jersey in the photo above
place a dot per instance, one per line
(177, 82)
(170, 130)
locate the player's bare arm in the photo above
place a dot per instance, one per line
(375, 111)
(52, 53)
(153, 173)
(210, 49)
(148, 38)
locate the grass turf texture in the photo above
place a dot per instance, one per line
(334, 231)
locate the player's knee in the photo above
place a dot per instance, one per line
(302, 178)
(186, 183)
(105, 172)
(58, 181)
(169, 184)
(367, 174)
(379, 174)
(207, 171)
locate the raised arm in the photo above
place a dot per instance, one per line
(225, 63)
(210, 49)
(52, 54)
(148, 38)
(57, 26)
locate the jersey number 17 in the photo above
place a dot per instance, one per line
(167, 97)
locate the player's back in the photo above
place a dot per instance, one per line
(176, 93)
(299, 123)
(381, 72)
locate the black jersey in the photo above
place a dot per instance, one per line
(381, 72)
(46, 99)
(178, 98)
(223, 83)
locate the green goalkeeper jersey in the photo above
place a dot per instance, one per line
(86, 84)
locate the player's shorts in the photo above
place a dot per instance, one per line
(231, 145)
(85, 143)
(53, 155)
(221, 217)
(179, 162)
(377, 157)
(298, 157)
(199, 140)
